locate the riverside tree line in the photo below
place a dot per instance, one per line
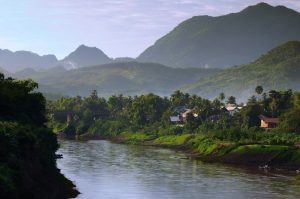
(150, 114)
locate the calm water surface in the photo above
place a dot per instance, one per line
(104, 170)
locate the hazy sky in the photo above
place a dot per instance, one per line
(118, 27)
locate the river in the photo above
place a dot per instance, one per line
(105, 170)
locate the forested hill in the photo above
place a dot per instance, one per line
(225, 41)
(278, 69)
(27, 148)
(128, 78)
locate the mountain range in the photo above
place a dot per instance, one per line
(278, 69)
(202, 41)
(244, 40)
(224, 41)
(14, 61)
(128, 78)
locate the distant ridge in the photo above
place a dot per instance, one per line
(278, 69)
(85, 56)
(128, 78)
(227, 40)
(14, 61)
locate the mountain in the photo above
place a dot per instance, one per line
(278, 69)
(224, 41)
(82, 56)
(14, 61)
(128, 78)
(85, 56)
(124, 59)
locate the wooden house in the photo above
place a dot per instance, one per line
(268, 122)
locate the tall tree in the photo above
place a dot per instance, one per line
(259, 90)
(222, 97)
(231, 100)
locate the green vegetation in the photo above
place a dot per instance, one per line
(278, 69)
(227, 40)
(207, 129)
(27, 147)
(128, 78)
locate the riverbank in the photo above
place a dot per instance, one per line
(28, 164)
(266, 156)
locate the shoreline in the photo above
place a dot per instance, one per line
(275, 158)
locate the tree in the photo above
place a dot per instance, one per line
(259, 90)
(291, 121)
(191, 122)
(20, 102)
(1, 76)
(179, 98)
(222, 96)
(231, 100)
(252, 100)
(249, 115)
(296, 100)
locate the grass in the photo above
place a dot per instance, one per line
(136, 138)
(256, 148)
(173, 140)
(210, 148)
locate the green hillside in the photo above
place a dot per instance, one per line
(228, 40)
(127, 78)
(278, 69)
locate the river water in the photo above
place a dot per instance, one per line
(105, 170)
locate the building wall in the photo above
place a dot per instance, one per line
(263, 124)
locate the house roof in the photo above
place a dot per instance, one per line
(231, 108)
(269, 119)
(187, 112)
(175, 118)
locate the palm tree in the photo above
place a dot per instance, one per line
(222, 96)
(231, 100)
(259, 90)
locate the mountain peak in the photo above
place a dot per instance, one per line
(85, 56)
(227, 40)
(83, 47)
(266, 8)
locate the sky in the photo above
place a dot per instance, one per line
(121, 28)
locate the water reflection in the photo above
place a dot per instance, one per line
(105, 170)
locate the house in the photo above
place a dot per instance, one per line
(232, 109)
(177, 118)
(180, 114)
(268, 122)
(187, 111)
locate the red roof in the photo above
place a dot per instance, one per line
(269, 119)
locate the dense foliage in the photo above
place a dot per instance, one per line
(27, 147)
(150, 114)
